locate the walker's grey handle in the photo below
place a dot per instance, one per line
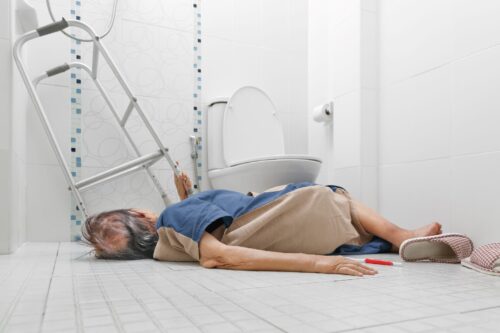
(53, 27)
(57, 70)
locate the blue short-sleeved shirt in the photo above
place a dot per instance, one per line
(193, 215)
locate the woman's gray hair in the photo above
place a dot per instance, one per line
(120, 234)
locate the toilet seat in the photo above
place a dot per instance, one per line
(279, 157)
(260, 175)
(245, 146)
(251, 129)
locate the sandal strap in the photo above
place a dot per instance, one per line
(486, 255)
(461, 245)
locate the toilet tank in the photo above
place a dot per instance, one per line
(214, 145)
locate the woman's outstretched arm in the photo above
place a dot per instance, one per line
(214, 254)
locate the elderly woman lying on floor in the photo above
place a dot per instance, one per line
(290, 228)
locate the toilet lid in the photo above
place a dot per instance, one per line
(250, 127)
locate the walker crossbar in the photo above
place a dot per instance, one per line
(142, 162)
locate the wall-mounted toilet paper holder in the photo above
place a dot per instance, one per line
(323, 113)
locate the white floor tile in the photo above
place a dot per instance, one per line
(90, 295)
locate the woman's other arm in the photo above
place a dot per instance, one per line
(214, 254)
(183, 184)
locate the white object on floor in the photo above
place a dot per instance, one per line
(377, 261)
(49, 287)
(245, 145)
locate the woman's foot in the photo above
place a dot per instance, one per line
(430, 229)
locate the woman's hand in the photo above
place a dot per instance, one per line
(341, 265)
(183, 184)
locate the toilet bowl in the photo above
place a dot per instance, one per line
(245, 145)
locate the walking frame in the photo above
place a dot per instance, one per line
(142, 162)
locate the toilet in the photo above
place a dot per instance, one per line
(245, 145)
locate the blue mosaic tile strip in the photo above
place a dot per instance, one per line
(76, 216)
(197, 110)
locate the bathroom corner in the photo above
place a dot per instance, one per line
(343, 69)
(12, 139)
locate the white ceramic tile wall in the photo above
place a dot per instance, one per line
(369, 151)
(7, 154)
(414, 194)
(344, 49)
(476, 104)
(417, 36)
(347, 131)
(370, 186)
(38, 149)
(55, 287)
(416, 112)
(439, 107)
(320, 136)
(474, 190)
(261, 43)
(47, 218)
(5, 171)
(369, 57)
(17, 200)
(5, 90)
(475, 27)
(5, 22)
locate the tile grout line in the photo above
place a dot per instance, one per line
(169, 301)
(232, 302)
(114, 315)
(76, 299)
(48, 288)
(215, 293)
(392, 323)
(4, 321)
(251, 312)
(141, 303)
(415, 319)
(441, 65)
(482, 309)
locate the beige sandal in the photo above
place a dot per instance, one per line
(445, 248)
(485, 259)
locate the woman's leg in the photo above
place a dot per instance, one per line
(379, 226)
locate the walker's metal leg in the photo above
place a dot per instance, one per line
(141, 162)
